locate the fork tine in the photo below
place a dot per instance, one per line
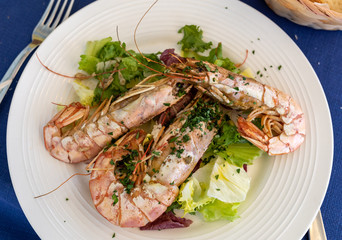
(53, 14)
(46, 13)
(67, 13)
(58, 18)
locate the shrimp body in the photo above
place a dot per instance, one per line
(109, 121)
(127, 208)
(282, 120)
(132, 199)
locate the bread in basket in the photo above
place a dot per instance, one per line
(318, 14)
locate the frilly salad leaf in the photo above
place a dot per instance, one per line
(192, 44)
(89, 59)
(228, 183)
(85, 94)
(105, 58)
(94, 47)
(218, 210)
(242, 153)
(193, 39)
(229, 145)
(217, 184)
(193, 193)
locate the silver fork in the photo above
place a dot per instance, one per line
(51, 18)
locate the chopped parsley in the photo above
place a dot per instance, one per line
(126, 166)
(203, 112)
(166, 104)
(173, 206)
(202, 66)
(179, 152)
(186, 138)
(156, 153)
(173, 139)
(115, 198)
(238, 170)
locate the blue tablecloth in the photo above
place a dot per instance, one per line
(322, 48)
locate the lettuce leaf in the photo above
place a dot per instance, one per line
(242, 153)
(89, 59)
(104, 57)
(192, 45)
(193, 193)
(215, 190)
(229, 145)
(112, 50)
(218, 210)
(88, 63)
(85, 94)
(94, 47)
(193, 39)
(228, 183)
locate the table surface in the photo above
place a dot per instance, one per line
(323, 49)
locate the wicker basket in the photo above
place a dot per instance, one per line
(318, 14)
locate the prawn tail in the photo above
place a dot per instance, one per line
(252, 134)
(53, 134)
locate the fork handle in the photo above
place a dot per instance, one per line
(12, 71)
(316, 231)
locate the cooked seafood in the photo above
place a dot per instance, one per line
(282, 120)
(129, 189)
(89, 136)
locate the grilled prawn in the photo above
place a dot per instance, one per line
(281, 117)
(110, 120)
(130, 188)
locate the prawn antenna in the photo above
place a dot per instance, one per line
(117, 33)
(78, 76)
(240, 64)
(75, 174)
(59, 74)
(135, 33)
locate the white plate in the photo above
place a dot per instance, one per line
(287, 191)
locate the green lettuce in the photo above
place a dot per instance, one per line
(94, 47)
(192, 45)
(105, 58)
(218, 210)
(193, 39)
(228, 183)
(229, 145)
(193, 193)
(85, 94)
(242, 153)
(90, 59)
(88, 63)
(217, 184)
